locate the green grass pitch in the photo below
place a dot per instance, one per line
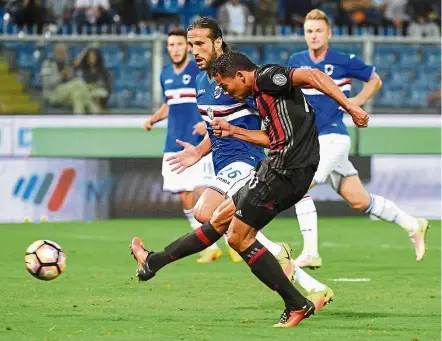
(98, 298)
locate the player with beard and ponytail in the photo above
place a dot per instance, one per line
(178, 81)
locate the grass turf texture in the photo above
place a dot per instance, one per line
(98, 298)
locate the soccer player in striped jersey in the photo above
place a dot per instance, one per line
(234, 162)
(334, 167)
(178, 81)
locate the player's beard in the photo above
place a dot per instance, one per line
(210, 60)
(181, 62)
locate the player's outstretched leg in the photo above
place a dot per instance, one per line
(417, 228)
(201, 214)
(351, 189)
(267, 269)
(308, 224)
(149, 262)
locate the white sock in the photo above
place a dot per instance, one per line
(308, 224)
(386, 210)
(194, 224)
(273, 248)
(306, 281)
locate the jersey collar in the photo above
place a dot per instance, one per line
(319, 60)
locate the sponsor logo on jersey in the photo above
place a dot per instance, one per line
(279, 79)
(201, 91)
(168, 81)
(223, 180)
(186, 79)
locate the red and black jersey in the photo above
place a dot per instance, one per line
(288, 118)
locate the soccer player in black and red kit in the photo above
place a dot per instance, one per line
(281, 180)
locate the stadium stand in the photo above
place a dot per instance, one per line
(409, 72)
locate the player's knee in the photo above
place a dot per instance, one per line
(358, 200)
(201, 213)
(223, 214)
(358, 205)
(234, 241)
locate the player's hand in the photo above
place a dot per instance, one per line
(360, 116)
(148, 124)
(200, 128)
(221, 128)
(184, 159)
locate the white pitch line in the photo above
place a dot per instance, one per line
(351, 279)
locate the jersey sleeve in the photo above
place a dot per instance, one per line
(273, 79)
(356, 68)
(162, 87)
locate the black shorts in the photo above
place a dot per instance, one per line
(270, 192)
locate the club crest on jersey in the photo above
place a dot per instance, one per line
(279, 79)
(328, 69)
(186, 79)
(218, 92)
(210, 113)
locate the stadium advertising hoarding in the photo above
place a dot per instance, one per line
(126, 187)
(17, 131)
(122, 136)
(6, 140)
(53, 189)
(412, 181)
(78, 189)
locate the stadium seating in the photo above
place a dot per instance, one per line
(112, 54)
(409, 72)
(138, 56)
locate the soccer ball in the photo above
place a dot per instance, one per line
(45, 260)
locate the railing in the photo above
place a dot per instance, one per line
(367, 47)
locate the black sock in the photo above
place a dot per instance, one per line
(187, 245)
(265, 266)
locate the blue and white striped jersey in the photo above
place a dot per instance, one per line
(180, 95)
(212, 102)
(341, 68)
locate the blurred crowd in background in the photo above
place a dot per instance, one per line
(44, 77)
(409, 17)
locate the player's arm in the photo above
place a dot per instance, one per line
(357, 68)
(222, 128)
(205, 146)
(370, 89)
(160, 115)
(190, 154)
(320, 81)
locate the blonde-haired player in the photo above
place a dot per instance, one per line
(334, 166)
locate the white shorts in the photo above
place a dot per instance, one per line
(231, 178)
(200, 174)
(334, 163)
